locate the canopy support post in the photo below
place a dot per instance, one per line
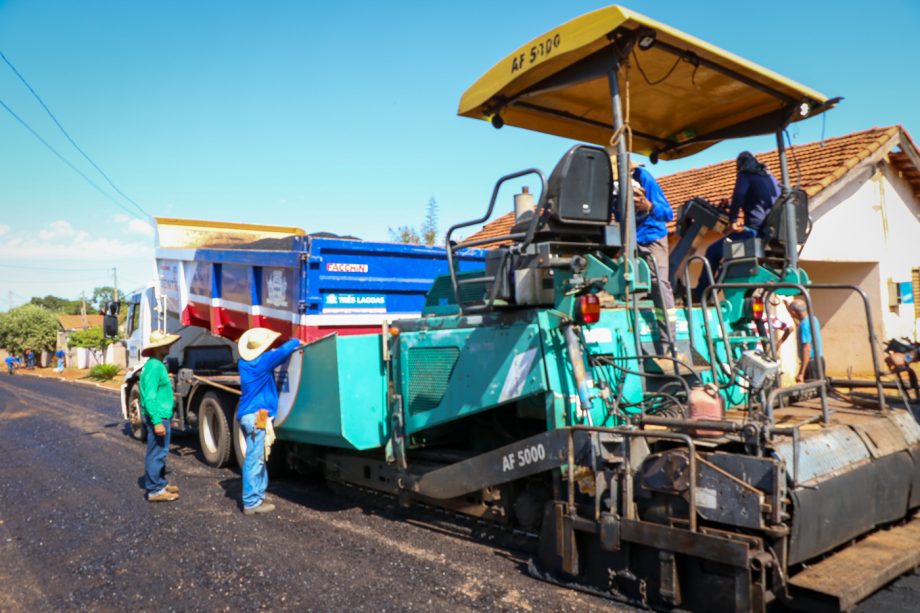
(626, 208)
(624, 203)
(792, 247)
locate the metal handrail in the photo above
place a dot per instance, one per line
(818, 347)
(780, 392)
(674, 436)
(450, 246)
(870, 323)
(513, 236)
(710, 345)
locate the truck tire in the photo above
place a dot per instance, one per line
(239, 443)
(135, 423)
(214, 429)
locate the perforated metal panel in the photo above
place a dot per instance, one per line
(429, 370)
(915, 279)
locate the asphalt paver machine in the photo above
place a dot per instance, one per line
(535, 393)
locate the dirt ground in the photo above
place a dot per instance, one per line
(73, 375)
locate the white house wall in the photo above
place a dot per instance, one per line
(875, 218)
(903, 247)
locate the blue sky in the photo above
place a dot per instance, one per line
(337, 116)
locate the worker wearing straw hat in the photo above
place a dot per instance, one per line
(156, 397)
(258, 406)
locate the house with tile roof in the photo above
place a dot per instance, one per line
(72, 323)
(864, 201)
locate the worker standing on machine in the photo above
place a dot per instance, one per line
(653, 212)
(258, 407)
(755, 192)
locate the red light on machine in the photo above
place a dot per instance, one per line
(589, 308)
(757, 309)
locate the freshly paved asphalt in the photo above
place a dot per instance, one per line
(77, 533)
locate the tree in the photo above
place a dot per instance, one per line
(430, 225)
(91, 338)
(28, 326)
(103, 294)
(55, 304)
(429, 229)
(405, 234)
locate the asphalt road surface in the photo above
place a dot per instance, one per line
(77, 533)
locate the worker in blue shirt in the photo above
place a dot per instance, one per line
(12, 362)
(808, 340)
(755, 192)
(258, 407)
(653, 212)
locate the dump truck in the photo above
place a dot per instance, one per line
(215, 280)
(533, 394)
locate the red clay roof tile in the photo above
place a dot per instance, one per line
(813, 166)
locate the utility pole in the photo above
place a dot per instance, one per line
(83, 308)
(11, 300)
(115, 284)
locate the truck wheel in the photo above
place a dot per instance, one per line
(135, 422)
(214, 430)
(239, 443)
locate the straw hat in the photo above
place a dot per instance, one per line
(255, 341)
(159, 339)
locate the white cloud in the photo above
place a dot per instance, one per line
(133, 225)
(58, 229)
(4, 229)
(140, 227)
(60, 242)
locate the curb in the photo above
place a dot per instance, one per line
(78, 381)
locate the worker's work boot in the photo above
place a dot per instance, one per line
(172, 489)
(164, 496)
(265, 507)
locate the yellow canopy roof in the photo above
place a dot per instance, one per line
(684, 94)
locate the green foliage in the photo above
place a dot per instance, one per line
(103, 294)
(428, 235)
(430, 225)
(28, 326)
(103, 372)
(55, 304)
(91, 338)
(405, 234)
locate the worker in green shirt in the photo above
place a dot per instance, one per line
(157, 408)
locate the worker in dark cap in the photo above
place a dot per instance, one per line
(755, 192)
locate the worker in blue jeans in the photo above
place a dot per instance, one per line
(156, 398)
(258, 406)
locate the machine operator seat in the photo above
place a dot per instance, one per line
(771, 248)
(573, 217)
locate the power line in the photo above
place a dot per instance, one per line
(66, 161)
(72, 141)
